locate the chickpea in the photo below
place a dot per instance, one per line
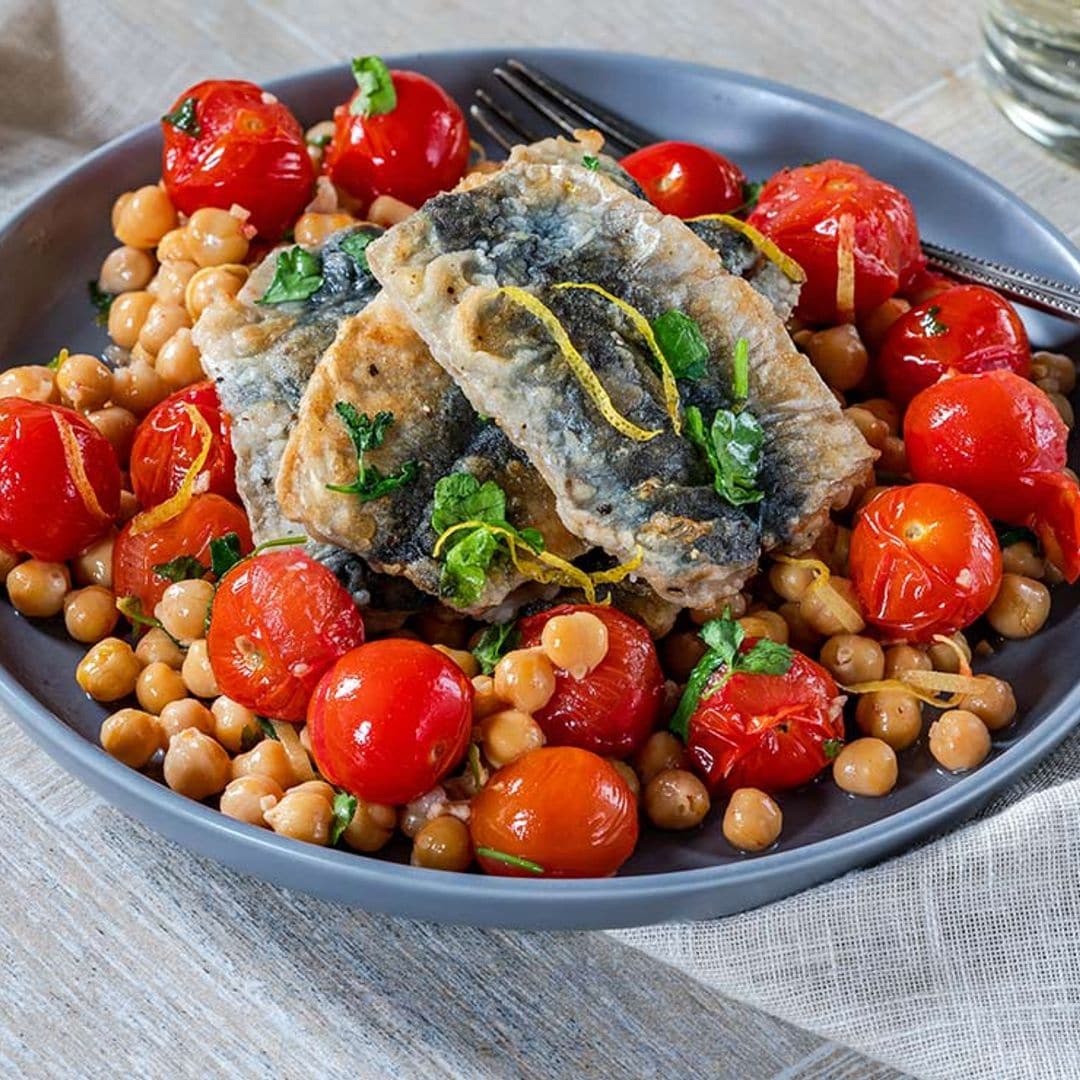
(766, 624)
(752, 820)
(132, 736)
(853, 659)
(576, 643)
(312, 229)
(464, 659)
(900, 658)
(173, 246)
(171, 281)
(839, 356)
(893, 716)
(32, 381)
(126, 316)
(525, 679)
(216, 237)
(233, 724)
(197, 671)
(141, 218)
(1023, 559)
(37, 588)
(866, 767)
(371, 827)
(876, 324)
(179, 361)
(109, 670)
(801, 634)
(385, 210)
(993, 703)
(156, 647)
(662, 750)
(196, 765)
(317, 787)
(305, 739)
(266, 758)
(1064, 408)
(118, 425)
(736, 606)
(893, 460)
(1056, 367)
(90, 614)
(508, 735)
(301, 815)
(1020, 608)
(943, 657)
(872, 428)
(125, 269)
(959, 740)
(213, 283)
(628, 774)
(485, 700)
(8, 561)
(676, 799)
(185, 713)
(162, 321)
(884, 410)
(138, 387)
(247, 798)
(157, 685)
(183, 607)
(84, 382)
(821, 618)
(443, 844)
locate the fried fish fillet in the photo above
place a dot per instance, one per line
(534, 225)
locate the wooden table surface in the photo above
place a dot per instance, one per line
(123, 955)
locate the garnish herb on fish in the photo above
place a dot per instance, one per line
(355, 245)
(683, 344)
(495, 642)
(297, 276)
(368, 433)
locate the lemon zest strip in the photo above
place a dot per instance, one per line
(844, 613)
(76, 465)
(792, 270)
(845, 268)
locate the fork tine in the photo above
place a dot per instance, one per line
(582, 110)
(561, 120)
(499, 122)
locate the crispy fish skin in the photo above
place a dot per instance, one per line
(532, 225)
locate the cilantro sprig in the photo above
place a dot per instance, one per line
(297, 276)
(725, 654)
(376, 94)
(682, 343)
(182, 568)
(495, 642)
(368, 433)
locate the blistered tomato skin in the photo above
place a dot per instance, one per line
(135, 554)
(167, 444)
(566, 810)
(277, 623)
(924, 560)
(765, 731)
(390, 719)
(59, 480)
(803, 210)
(966, 329)
(249, 150)
(685, 179)
(614, 708)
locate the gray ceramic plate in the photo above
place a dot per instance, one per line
(55, 245)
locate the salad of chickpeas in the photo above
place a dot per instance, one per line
(244, 675)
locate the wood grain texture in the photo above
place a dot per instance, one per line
(123, 955)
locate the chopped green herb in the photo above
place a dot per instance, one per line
(58, 360)
(376, 94)
(224, 554)
(184, 117)
(267, 728)
(510, 860)
(591, 162)
(183, 567)
(831, 747)
(724, 637)
(297, 276)
(751, 192)
(320, 141)
(355, 246)
(682, 343)
(368, 434)
(1016, 534)
(278, 541)
(931, 325)
(495, 642)
(344, 809)
(102, 302)
(131, 608)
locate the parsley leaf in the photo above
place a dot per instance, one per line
(510, 860)
(182, 568)
(682, 343)
(494, 643)
(355, 246)
(376, 94)
(297, 276)
(724, 638)
(267, 728)
(461, 497)
(184, 117)
(102, 302)
(751, 192)
(931, 325)
(831, 748)
(344, 809)
(224, 554)
(368, 434)
(591, 162)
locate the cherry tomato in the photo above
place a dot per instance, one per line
(766, 731)
(685, 179)
(809, 210)
(612, 710)
(278, 622)
(1056, 522)
(924, 560)
(205, 518)
(390, 719)
(561, 809)
(926, 284)
(966, 328)
(417, 149)
(59, 480)
(240, 145)
(167, 444)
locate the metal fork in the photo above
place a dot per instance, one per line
(568, 111)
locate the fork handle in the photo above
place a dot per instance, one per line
(1034, 290)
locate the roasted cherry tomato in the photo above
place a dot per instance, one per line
(966, 328)
(833, 217)
(413, 151)
(228, 141)
(924, 560)
(167, 443)
(389, 720)
(613, 709)
(135, 554)
(559, 811)
(278, 622)
(685, 179)
(59, 480)
(1056, 521)
(766, 731)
